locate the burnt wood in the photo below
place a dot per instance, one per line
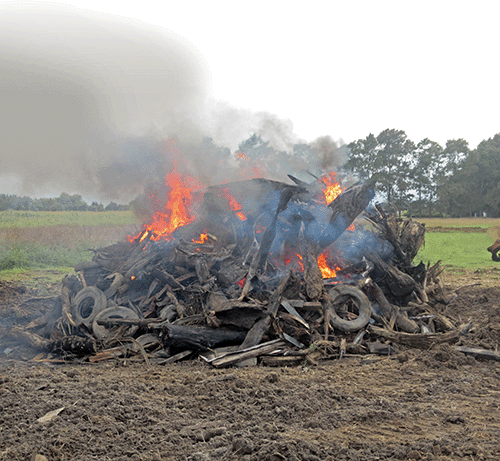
(199, 338)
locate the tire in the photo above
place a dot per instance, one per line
(116, 312)
(361, 302)
(82, 311)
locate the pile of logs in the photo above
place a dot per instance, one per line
(234, 298)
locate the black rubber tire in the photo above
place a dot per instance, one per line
(100, 303)
(362, 303)
(115, 312)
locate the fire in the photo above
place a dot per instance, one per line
(259, 229)
(326, 271)
(331, 190)
(241, 156)
(296, 259)
(203, 238)
(301, 264)
(331, 187)
(241, 282)
(249, 168)
(233, 203)
(177, 210)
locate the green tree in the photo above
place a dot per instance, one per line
(255, 147)
(95, 206)
(384, 160)
(452, 174)
(113, 206)
(5, 201)
(424, 172)
(487, 180)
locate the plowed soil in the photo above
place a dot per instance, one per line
(434, 404)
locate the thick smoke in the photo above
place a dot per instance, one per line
(84, 96)
(90, 104)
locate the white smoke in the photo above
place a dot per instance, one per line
(87, 101)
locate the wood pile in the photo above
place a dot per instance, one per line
(237, 289)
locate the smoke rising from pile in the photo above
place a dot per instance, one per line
(87, 102)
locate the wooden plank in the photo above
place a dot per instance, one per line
(419, 341)
(257, 332)
(255, 351)
(290, 309)
(176, 357)
(477, 353)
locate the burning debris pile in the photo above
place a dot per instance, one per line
(249, 270)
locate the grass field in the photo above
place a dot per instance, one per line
(460, 242)
(461, 246)
(38, 240)
(483, 223)
(50, 243)
(28, 219)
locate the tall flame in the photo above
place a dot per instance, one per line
(177, 211)
(331, 187)
(331, 190)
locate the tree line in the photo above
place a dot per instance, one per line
(420, 179)
(427, 179)
(65, 202)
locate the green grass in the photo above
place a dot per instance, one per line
(21, 219)
(37, 240)
(482, 223)
(465, 250)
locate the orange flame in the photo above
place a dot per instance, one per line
(249, 168)
(294, 258)
(177, 210)
(326, 271)
(331, 190)
(241, 282)
(259, 229)
(203, 238)
(301, 264)
(241, 156)
(233, 203)
(331, 187)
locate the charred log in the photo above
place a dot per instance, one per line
(199, 338)
(345, 209)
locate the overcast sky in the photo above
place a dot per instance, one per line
(346, 68)
(338, 68)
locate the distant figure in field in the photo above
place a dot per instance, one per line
(494, 249)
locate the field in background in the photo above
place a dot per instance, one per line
(483, 223)
(460, 242)
(39, 240)
(21, 219)
(461, 246)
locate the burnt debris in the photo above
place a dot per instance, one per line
(267, 272)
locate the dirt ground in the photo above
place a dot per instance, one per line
(435, 404)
